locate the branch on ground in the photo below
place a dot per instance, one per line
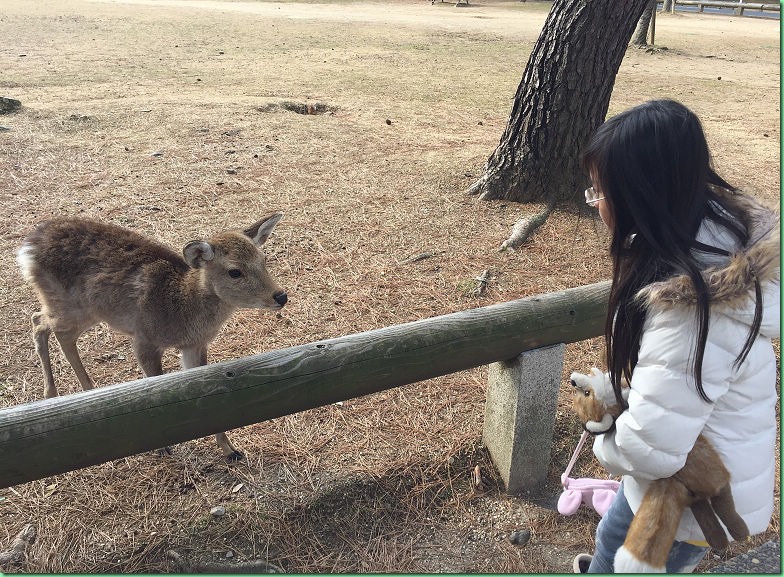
(421, 256)
(255, 566)
(481, 282)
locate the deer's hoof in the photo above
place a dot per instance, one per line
(235, 456)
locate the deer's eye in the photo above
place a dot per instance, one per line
(587, 393)
(235, 273)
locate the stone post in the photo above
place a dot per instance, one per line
(522, 397)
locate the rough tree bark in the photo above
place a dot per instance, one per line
(640, 36)
(563, 96)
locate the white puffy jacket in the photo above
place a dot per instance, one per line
(666, 413)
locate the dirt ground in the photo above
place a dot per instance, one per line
(174, 118)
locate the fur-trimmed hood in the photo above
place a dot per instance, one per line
(730, 280)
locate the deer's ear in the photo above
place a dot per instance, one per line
(198, 252)
(261, 231)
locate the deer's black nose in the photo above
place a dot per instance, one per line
(281, 298)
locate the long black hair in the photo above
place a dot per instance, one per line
(653, 166)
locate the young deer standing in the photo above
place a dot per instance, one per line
(86, 272)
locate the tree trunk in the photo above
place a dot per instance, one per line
(640, 36)
(562, 98)
(667, 6)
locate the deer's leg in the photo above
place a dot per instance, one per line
(228, 449)
(67, 340)
(41, 333)
(196, 357)
(150, 358)
(193, 357)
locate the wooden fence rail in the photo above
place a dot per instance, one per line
(739, 7)
(65, 433)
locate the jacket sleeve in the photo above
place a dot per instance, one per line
(666, 413)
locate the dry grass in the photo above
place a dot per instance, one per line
(380, 483)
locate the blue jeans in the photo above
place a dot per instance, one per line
(611, 533)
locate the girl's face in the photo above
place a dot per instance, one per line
(604, 207)
(605, 214)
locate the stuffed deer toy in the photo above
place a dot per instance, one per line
(702, 484)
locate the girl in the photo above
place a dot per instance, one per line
(693, 306)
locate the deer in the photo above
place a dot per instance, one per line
(86, 271)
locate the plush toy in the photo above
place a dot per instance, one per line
(702, 484)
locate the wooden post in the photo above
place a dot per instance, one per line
(61, 434)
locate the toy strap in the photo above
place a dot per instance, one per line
(576, 454)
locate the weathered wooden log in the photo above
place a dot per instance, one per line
(729, 4)
(65, 433)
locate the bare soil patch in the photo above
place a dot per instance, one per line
(170, 117)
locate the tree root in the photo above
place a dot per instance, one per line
(490, 186)
(524, 228)
(17, 554)
(478, 187)
(255, 566)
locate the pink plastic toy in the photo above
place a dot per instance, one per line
(598, 494)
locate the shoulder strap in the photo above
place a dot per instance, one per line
(576, 454)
